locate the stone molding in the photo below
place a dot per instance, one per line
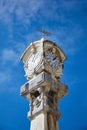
(43, 65)
(44, 80)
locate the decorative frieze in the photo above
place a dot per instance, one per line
(44, 79)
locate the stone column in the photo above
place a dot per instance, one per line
(43, 64)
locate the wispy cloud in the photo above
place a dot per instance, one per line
(7, 60)
(22, 10)
(5, 76)
(12, 54)
(73, 4)
(52, 16)
(14, 12)
(9, 71)
(9, 55)
(68, 38)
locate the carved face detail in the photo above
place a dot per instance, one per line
(52, 60)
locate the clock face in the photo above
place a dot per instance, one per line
(52, 60)
(34, 60)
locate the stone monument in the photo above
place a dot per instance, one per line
(43, 64)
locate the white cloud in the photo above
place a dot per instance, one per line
(9, 62)
(6, 81)
(5, 76)
(18, 12)
(23, 10)
(9, 55)
(68, 38)
(12, 54)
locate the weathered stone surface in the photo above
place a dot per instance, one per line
(39, 122)
(52, 122)
(43, 100)
(43, 54)
(44, 121)
(43, 64)
(43, 92)
(44, 80)
(24, 89)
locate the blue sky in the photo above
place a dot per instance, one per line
(67, 21)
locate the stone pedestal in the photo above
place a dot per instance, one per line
(43, 64)
(44, 121)
(39, 122)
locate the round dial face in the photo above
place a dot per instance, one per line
(34, 60)
(52, 60)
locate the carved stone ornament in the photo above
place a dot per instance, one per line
(30, 65)
(43, 65)
(44, 80)
(43, 55)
